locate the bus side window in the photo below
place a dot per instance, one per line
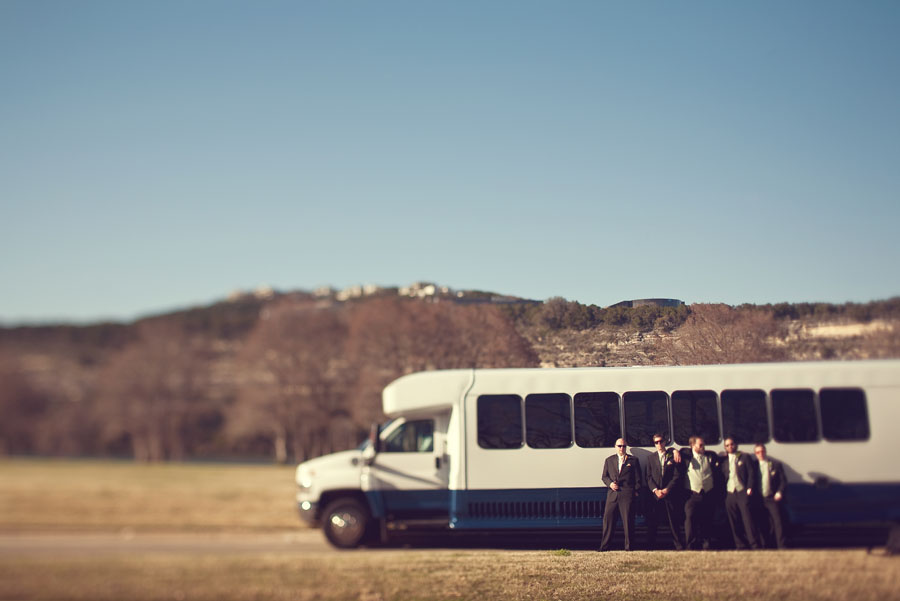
(500, 421)
(411, 437)
(744, 416)
(794, 415)
(646, 412)
(695, 412)
(597, 420)
(844, 414)
(548, 421)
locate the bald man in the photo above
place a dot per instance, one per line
(622, 475)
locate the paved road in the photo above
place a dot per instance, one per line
(301, 541)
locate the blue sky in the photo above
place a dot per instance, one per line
(161, 154)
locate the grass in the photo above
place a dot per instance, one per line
(104, 496)
(89, 495)
(442, 575)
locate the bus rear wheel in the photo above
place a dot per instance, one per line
(346, 522)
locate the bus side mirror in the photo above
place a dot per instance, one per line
(374, 437)
(374, 446)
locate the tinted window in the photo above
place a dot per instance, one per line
(694, 413)
(744, 416)
(411, 437)
(500, 421)
(844, 415)
(597, 422)
(646, 412)
(794, 415)
(548, 421)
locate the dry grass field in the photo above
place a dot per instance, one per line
(88, 495)
(80, 497)
(399, 575)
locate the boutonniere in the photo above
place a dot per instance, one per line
(740, 462)
(669, 462)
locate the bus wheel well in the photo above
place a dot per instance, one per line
(331, 495)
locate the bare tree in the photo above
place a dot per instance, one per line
(294, 393)
(392, 337)
(154, 391)
(718, 333)
(22, 409)
(484, 337)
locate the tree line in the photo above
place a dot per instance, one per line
(305, 379)
(296, 377)
(560, 314)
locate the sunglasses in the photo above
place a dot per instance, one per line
(620, 446)
(657, 442)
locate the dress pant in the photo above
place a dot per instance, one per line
(740, 518)
(664, 511)
(619, 504)
(773, 516)
(698, 519)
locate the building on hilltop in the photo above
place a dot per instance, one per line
(324, 292)
(424, 290)
(649, 302)
(358, 291)
(264, 292)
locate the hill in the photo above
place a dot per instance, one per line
(294, 375)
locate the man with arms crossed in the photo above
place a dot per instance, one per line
(700, 466)
(738, 470)
(622, 474)
(770, 484)
(663, 478)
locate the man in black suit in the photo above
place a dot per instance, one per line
(622, 474)
(663, 479)
(699, 467)
(770, 484)
(738, 469)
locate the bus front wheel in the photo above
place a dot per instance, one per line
(346, 522)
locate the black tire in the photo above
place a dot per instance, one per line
(346, 522)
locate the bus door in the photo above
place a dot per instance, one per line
(408, 477)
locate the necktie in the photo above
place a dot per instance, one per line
(764, 478)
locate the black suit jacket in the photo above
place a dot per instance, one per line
(665, 477)
(777, 479)
(628, 479)
(745, 466)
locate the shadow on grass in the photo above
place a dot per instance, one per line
(820, 537)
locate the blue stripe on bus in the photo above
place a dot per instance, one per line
(572, 508)
(843, 503)
(409, 504)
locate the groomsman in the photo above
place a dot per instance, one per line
(663, 480)
(771, 484)
(622, 474)
(699, 466)
(739, 471)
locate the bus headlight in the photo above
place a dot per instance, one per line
(304, 480)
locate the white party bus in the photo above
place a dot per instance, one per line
(522, 449)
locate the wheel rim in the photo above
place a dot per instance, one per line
(346, 525)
